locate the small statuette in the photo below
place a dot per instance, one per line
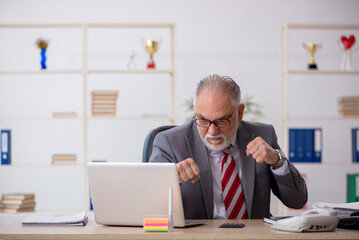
(151, 47)
(347, 47)
(131, 64)
(312, 48)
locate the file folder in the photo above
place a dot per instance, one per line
(5, 147)
(305, 144)
(355, 144)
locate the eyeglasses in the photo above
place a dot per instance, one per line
(219, 123)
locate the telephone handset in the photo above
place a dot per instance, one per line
(313, 220)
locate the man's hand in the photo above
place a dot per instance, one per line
(262, 152)
(188, 170)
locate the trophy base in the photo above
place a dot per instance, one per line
(312, 66)
(151, 66)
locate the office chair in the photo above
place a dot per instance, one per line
(147, 146)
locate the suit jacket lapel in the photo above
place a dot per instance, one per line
(199, 154)
(248, 166)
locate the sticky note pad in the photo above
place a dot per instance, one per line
(155, 224)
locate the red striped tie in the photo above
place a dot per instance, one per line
(232, 190)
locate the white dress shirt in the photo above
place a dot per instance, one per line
(215, 159)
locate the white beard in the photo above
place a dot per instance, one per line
(219, 147)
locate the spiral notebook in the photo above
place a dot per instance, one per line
(78, 219)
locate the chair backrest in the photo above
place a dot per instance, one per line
(147, 146)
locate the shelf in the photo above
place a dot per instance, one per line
(322, 26)
(85, 70)
(130, 25)
(42, 72)
(40, 118)
(41, 25)
(135, 71)
(320, 164)
(121, 118)
(159, 117)
(321, 72)
(43, 165)
(319, 118)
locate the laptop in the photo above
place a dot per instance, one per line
(123, 193)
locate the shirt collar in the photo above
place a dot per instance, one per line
(232, 146)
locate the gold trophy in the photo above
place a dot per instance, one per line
(151, 47)
(311, 47)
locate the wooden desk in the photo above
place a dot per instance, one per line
(254, 229)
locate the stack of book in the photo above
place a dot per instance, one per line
(104, 103)
(63, 159)
(349, 106)
(64, 115)
(18, 202)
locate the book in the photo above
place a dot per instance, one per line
(103, 106)
(16, 202)
(64, 115)
(272, 220)
(353, 188)
(103, 114)
(18, 196)
(104, 93)
(64, 156)
(21, 206)
(63, 162)
(355, 145)
(5, 147)
(103, 110)
(9, 210)
(80, 218)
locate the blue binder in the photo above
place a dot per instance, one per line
(317, 132)
(292, 145)
(355, 144)
(309, 145)
(296, 145)
(5, 147)
(300, 145)
(305, 145)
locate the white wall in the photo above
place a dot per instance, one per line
(232, 37)
(236, 38)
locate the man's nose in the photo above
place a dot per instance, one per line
(212, 129)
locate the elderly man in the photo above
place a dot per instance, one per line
(227, 167)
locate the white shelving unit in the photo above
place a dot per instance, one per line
(11, 172)
(326, 180)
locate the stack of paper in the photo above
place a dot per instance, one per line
(18, 202)
(104, 103)
(342, 209)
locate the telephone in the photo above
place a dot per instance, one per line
(350, 222)
(313, 220)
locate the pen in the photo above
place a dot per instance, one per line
(170, 210)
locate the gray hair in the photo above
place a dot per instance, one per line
(221, 85)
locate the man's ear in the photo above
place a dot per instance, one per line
(241, 111)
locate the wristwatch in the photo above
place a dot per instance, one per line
(280, 161)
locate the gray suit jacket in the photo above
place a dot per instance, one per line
(182, 142)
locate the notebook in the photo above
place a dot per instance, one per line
(123, 193)
(80, 218)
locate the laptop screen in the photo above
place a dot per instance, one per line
(123, 193)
